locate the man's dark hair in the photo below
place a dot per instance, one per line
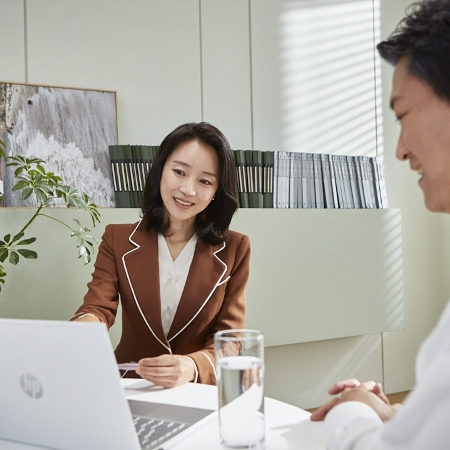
(424, 37)
(212, 223)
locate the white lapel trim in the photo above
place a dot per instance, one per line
(219, 282)
(132, 290)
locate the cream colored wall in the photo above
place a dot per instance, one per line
(174, 61)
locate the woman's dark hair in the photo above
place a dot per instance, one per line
(212, 223)
(424, 37)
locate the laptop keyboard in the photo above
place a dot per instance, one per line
(153, 432)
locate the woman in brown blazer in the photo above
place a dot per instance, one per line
(180, 273)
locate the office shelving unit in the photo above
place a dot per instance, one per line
(314, 274)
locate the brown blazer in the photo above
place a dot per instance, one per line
(213, 298)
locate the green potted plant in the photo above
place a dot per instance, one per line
(32, 179)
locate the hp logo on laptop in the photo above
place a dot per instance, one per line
(31, 385)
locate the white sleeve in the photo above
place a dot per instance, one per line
(353, 426)
(423, 422)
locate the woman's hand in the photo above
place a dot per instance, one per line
(370, 393)
(87, 318)
(167, 370)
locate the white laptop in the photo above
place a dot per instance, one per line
(60, 388)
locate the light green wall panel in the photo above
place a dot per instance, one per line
(323, 274)
(12, 41)
(146, 50)
(51, 286)
(315, 274)
(266, 74)
(226, 69)
(313, 76)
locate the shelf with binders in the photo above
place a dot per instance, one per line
(271, 179)
(282, 179)
(130, 165)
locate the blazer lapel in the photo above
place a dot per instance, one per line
(141, 265)
(205, 273)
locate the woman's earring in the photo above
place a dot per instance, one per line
(213, 198)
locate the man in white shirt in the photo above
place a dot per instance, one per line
(361, 417)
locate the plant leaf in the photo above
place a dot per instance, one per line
(29, 254)
(3, 255)
(47, 189)
(31, 177)
(89, 243)
(2, 150)
(18, 171)
(27, 241)
(27, 192)
(84, 253)
(20, 185)
(38, 178)
(41, 195)
(13, 257)
(17, 237)
(2, 276)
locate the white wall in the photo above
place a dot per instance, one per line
(174, 61)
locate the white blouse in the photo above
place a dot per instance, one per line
(172, 277)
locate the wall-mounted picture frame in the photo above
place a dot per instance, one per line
(69, 128)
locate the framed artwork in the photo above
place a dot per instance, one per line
(69, 128)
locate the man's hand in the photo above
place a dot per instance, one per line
(370, 393)
(167, 370)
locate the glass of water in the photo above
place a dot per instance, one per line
(240, 372)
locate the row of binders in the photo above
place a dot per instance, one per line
(318, 180)
(268, 179)
(282, 179)
(130, 165)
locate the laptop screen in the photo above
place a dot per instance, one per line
(62, 387)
